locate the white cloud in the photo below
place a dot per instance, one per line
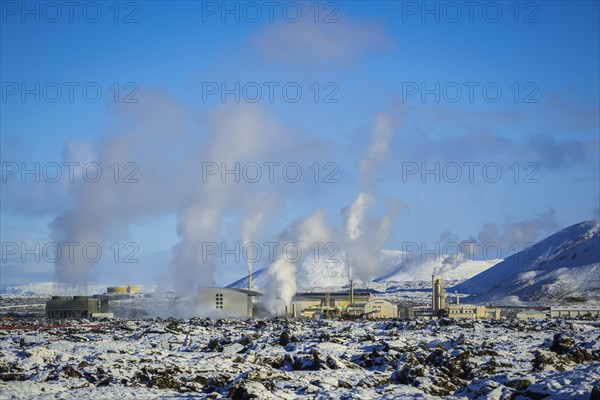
(308, 43)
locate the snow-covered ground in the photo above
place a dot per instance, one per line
(283, 358)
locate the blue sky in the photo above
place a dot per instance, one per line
(372, 59)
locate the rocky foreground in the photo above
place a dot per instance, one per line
(283, 358)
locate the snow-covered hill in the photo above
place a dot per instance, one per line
(400, 267)
(311, 274)
(562, 266)
(416, 268)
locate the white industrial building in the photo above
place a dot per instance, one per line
(380, 309)
(532, 314)
(471, 312)
(227, 302)
(573, 312)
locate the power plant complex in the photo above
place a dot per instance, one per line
(354, 303)
(127, 301)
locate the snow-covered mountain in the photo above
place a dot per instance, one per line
(419, 267)
(311, 274)
(562, 266)
(399, 267)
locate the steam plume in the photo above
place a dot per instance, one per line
(282, 284)
(366, 236)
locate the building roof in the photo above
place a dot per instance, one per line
(563, 308)
(248, 292)
(357, 292)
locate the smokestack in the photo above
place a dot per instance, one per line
(433, 293)
(249, 279)
(351, 291)
(442, 295)
(438, 297)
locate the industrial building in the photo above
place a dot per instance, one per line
(456, 310)
(532, 314)
(228, 302)
(472, 312)
(124, 301)
(97, 306)
(354, 303)
(67, 307)
(573, 312)
(406, 311)
(380, 309)
(329, 304)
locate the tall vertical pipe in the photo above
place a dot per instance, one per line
(433, 293)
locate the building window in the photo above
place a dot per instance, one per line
(219, 300)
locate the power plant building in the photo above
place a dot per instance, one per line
(532, 314)
(355, 303)
(75, 307)
(308, 303)
(472, 312)
(573, 312)
(406, 311)
(380, 309)
(228, 302)
(467, 311)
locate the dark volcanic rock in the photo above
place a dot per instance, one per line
(561, 343)
(284, 338)
(374, 381)
(564, 353)
(71, 372)
(12, 376)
